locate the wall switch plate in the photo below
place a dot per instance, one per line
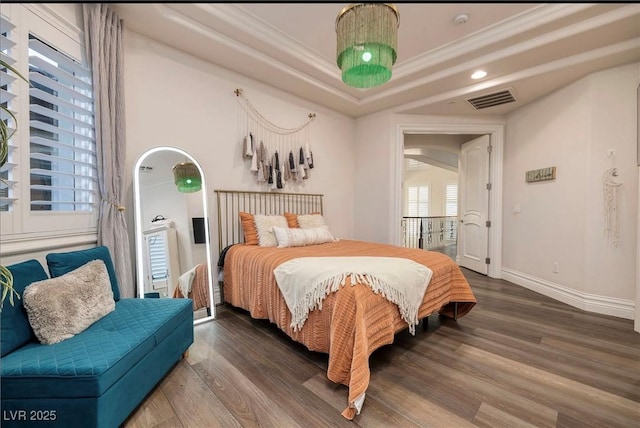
(556, 267)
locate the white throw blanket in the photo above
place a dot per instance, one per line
(306, 281)
(185, 281)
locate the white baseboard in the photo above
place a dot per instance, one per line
(621, 308)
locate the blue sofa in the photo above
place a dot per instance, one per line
(95, 378)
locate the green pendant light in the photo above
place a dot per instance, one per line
(187, 177)
(367, 43)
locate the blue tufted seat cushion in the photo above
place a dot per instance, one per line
(87, 364)
(15, 329)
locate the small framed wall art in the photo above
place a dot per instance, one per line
(541, 174)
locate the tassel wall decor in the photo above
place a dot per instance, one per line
(278, 155)
(610, 187)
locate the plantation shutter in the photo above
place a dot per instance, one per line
(418, 199)
(63, 167)
(158, 259)
(8, 82)
(451, 200)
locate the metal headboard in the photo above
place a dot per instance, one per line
(231, 202)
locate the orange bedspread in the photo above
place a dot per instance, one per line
(354, 321)
(199, 289)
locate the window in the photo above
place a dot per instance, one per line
(7, 96)
(62, 146)
(451, 200)
(418, 201)
(51, 173)
(417, 206)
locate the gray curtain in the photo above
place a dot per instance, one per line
(104, 32)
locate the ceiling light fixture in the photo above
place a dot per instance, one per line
(479, 74)
(367, 43)
(187, 177)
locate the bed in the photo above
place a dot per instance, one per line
(353, 321)
(195, 284)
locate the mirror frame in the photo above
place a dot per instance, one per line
(138, 226)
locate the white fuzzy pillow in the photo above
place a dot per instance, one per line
(309, 221)
(61, 307)
(295, 237)
(264, 224)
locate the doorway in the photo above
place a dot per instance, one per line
(430, 192)
(496, 135)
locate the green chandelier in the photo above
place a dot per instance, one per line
(367, 43)
(187, 177)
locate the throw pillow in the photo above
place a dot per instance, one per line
(248, 228)
(15, 330)
(61, 307)
(61, 263)
(308, 221)
(292, 220)
(264, 225)
(294, 237)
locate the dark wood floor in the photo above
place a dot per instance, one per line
(518, 359)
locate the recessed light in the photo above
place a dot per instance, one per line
(479, 74)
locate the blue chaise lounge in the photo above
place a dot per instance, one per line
(99, 376)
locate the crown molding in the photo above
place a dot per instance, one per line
(628, 45)
(213, 22)
(540, 15)
(190, 24)
(241, 20)
(536, 42)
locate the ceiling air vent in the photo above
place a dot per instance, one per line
(492, 100)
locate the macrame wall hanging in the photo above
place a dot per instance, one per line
(610, 187)
(278, 155)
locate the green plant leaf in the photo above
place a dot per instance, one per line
(6, 281)
(6, 277)
(14, 71)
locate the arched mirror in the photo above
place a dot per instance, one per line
(173, 252)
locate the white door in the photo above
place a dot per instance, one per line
(473, 233)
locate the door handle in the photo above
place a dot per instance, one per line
(461, 221)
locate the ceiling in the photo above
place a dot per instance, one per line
(528, 49)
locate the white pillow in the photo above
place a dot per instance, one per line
(264, 223)
(308, 221)
(295, 237)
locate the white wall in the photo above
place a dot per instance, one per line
(174, 99)
(373, 172)
(561, 221)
